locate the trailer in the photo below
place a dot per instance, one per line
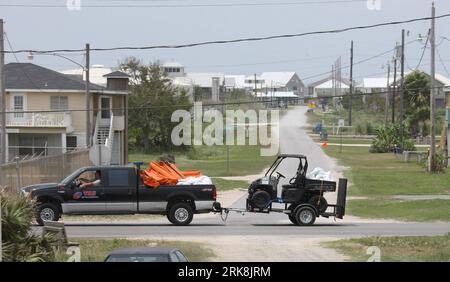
(302, 199)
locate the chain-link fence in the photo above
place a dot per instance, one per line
(42, 170)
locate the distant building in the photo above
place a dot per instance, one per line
(96, 74)
(284, 81)
(328, 87)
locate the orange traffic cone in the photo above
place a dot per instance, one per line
(325, 145)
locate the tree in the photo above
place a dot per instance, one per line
(417, 101)
(154, 98)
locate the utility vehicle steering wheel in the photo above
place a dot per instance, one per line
(280, 175)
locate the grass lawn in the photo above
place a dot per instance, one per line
(378, 176)
(382, 174)
(224, 184)
(96, 250)
(423, 210)
(212, 161)
(436, 248)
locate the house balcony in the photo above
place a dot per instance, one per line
(52, 120)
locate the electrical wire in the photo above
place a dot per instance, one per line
(251, 39)
(442, 62)
(218, 5)
(215, 104)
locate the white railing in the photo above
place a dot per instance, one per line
(38, 119)
(100, 154)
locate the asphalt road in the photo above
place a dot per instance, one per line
(294, 140)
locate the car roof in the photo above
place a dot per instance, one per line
(143, 251)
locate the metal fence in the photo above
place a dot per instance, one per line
(42, 170)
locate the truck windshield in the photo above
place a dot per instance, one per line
(71, 176)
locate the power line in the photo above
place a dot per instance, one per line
(442, 62)
(212, 104)
(218, 5)
(424, 49)
(251, 39)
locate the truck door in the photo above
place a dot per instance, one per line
(87, 200)
(120, 191)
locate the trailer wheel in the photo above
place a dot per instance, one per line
(180, 214)
(305, 216)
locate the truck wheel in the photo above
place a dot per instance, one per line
(305, 216)
(47, 212)
(180, 214)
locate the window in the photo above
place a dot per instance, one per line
(18, 106)
(119, 177)
(29, 145)
(59, 103)
(71, 142)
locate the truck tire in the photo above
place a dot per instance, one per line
(47, 212)
(180, 214)
(305, 216)
(260, 199)
(319, 202)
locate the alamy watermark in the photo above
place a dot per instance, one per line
(232, 128)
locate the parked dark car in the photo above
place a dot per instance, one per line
(119, 190)
(146, 255)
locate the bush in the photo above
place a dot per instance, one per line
(19, 243)
(388, 138)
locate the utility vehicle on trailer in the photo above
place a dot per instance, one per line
(302, 198)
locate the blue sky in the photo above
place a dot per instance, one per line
(57, 27)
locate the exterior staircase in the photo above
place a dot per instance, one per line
(101, 151)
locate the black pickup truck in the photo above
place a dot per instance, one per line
(119, 191)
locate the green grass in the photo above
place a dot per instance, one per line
(96, 250)
(212, 161)
(422, 210)
(382, 174)
(396, 249)
(378, 176)
(224, 184)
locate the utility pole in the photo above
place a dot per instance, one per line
(432, 154)
(388, 94)
(3, 97)
(402, 90)
(88, 100)
(351, 87)
(3, 121)
(394, 90)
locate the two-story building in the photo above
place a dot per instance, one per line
(46, 114)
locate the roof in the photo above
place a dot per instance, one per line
(375, 82)
(142, 250)
(117, 74)
(96, 73)
(328, 83)
(31, 76)
(237, 81)
(205, 79)
(277, 79)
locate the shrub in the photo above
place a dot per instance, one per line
(387, 138)
(19, 243)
